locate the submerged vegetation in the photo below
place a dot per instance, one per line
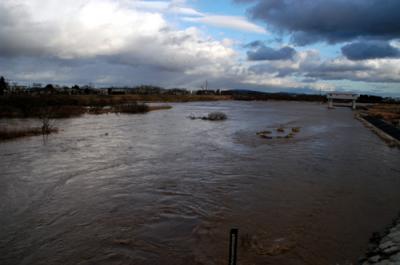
(213, 116)
(278, 133)
(296, 129)
(280, 129)
(217, 116)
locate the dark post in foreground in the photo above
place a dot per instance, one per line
(233, 239)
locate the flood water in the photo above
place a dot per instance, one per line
(160, 188)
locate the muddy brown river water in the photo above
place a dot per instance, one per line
(163, 189)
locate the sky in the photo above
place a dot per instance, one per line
(299, 46)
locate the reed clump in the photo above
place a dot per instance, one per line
(213, 116)
(217, 116)
(280, 129)
(279, 133)
(296, 129)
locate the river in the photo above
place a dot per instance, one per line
(160, 188)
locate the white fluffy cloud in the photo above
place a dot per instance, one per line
(233, 22)
(240, 23)
(109, 28)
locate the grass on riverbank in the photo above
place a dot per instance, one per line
(387, 112)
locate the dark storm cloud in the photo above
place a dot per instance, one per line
(334, 21)
(260, 52)
(369, 50)
(12, 43)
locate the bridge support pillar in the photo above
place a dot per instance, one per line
(354, 105)
(330, 103)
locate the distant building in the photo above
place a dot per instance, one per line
(206, 92)
(37, 85)
(116, 91)
(147, 90)
(177, 92)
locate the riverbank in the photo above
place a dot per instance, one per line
(387, 112)
(384, 249)
(11, 134)
(46, 109)
(65, 106)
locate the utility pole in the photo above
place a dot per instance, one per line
(233, 241)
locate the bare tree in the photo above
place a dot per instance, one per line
(3, 86)
(47, 121)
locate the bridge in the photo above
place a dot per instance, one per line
(343, 97)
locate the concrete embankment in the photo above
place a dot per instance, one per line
(387, 132)
(384, 126)
(384, 250)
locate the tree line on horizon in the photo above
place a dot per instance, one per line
(50, 89)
